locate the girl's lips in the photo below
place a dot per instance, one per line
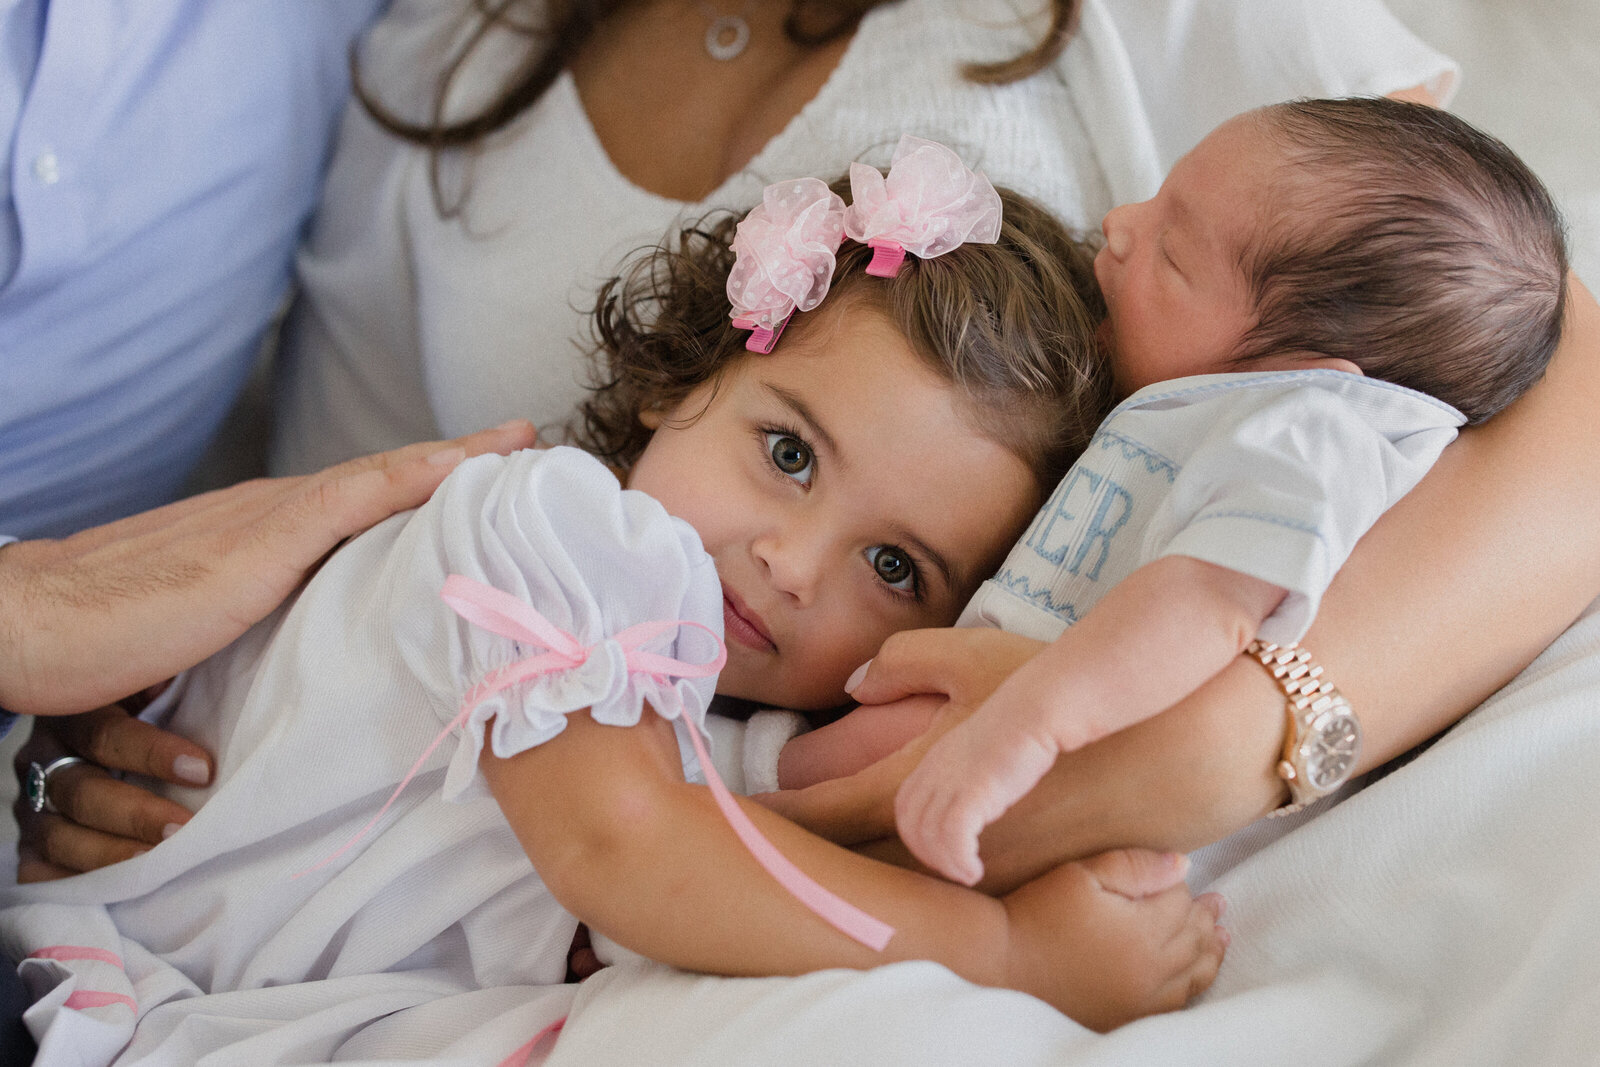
(741, 624)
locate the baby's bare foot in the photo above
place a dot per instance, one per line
(1115, 937)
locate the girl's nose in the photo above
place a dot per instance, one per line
(792, 563)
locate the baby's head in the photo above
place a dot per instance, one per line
(870, 471)
(1365, 234)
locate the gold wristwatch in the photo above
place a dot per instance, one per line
(1322, 737)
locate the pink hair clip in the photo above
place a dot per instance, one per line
(930, 203)
(784, 257)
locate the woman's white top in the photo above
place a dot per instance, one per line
(410, 327)
(318, 713)
(1271, 474)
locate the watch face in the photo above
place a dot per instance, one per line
(1332, 742)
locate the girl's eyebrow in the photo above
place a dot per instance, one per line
(803, 412)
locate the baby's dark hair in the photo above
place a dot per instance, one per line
(1413, 245)
(1010, 324)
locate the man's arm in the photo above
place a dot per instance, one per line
(90, 619)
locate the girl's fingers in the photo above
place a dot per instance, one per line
(1138, 872)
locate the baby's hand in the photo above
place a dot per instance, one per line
(1114, 937)
(967, 780)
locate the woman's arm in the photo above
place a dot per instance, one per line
(635, 852)
(1456, 589)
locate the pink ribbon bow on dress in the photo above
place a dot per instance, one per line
(501, 613)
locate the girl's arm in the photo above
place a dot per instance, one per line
(631, 849)
(1455, 589)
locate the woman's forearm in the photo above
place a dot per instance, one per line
(1454, 591)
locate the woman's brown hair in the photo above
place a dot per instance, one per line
(1010, 324)
(552, 44)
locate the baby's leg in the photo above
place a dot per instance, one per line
(854, 742)
(1114, 937)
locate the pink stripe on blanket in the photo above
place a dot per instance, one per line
(520, 1056)
(76, 952)
(95, 998)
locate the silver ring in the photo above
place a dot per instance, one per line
(38, 785)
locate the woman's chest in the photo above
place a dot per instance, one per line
(674, 119)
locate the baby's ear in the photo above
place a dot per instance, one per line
(650, 418)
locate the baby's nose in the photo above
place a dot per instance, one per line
(1118, 242)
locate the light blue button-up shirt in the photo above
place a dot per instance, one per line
(160, 159)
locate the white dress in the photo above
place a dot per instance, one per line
(409, 326)
(315, 716)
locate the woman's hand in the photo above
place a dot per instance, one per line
(114, 610)
(99, 819)
(939, 674)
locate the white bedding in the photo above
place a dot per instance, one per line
(1445, 915)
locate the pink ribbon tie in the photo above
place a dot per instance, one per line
(501, 613)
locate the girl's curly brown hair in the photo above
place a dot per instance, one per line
(1010, 324)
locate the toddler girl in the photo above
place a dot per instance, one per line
(861, 477)
(1320, 293)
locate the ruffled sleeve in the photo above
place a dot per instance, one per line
(553, 530)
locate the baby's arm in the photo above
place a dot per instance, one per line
(1152, 640)
(631, 849)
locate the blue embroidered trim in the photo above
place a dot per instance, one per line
(1019, 586)
(1154, 462)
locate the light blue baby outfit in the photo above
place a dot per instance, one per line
(1275, 475)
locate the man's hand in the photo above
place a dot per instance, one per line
(120, 608)
(113, 610)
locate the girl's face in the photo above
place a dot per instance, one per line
(843, 497)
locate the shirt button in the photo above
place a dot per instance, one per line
(47, 168)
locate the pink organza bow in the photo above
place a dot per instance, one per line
(929, 204)
(501, 613)
(784, 256)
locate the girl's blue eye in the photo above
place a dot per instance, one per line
(791, 455)
(893, 567)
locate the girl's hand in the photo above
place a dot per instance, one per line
(1114, 937)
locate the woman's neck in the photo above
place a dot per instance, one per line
(678, 122)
